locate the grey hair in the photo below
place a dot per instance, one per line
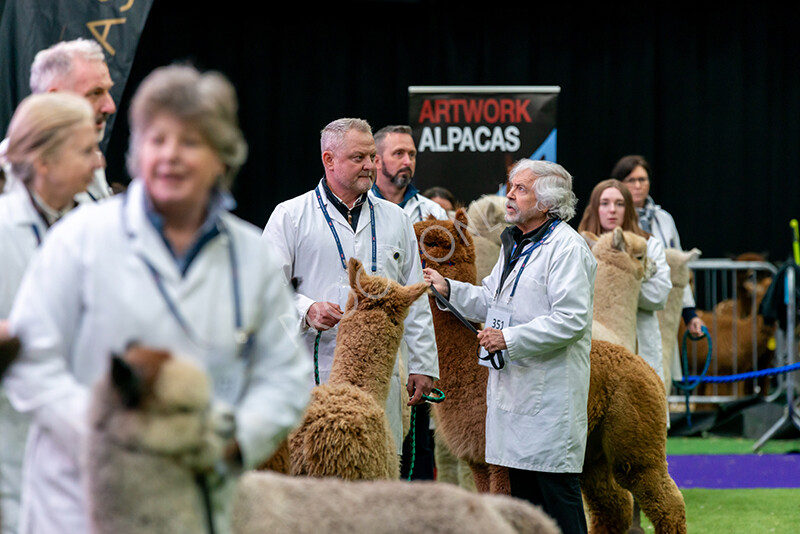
(332, 135)
(55, 63)
(205, 100)
(553, 187)
(381, 134)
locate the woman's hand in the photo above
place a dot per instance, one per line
(695, 326)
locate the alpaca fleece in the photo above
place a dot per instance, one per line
(272, 502)
(146, 450)
(460, 419)
(345, 432)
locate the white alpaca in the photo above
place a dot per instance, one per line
(622, 266)
(272, 502)
(486, 217)
(152, 433)
(669, 318)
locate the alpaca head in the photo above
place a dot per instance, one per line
(373, 292)
(447, 247)
(678, 261)
(487, 216)
(625, 250)
(154, 402)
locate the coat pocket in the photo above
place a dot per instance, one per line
(519, 387)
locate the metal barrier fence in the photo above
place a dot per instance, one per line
(727, 294)
(772, 364)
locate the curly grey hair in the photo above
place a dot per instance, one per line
(553, 187)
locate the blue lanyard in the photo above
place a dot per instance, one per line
(243, 339)
(342, 257)
(36, 234)
(526, 256)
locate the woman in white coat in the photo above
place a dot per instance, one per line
(52, 149)
(611, 206)
(167, 266)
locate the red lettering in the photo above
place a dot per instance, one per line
(490, 110)
(494, 115)
(442, 110)
(507, 110)
(426, 113)
(522, 110)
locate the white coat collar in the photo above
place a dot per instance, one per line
(337, 217)
(21, 211)
(143, 237)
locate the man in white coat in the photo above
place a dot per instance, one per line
(79, 67)
(316, 233)
(395, 165)
(537, 308)
(396, 162)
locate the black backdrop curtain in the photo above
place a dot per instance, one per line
(708, 93)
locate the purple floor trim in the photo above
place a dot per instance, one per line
(741, 471)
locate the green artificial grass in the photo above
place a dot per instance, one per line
(727, 445)
(769, 511)
(746, 511)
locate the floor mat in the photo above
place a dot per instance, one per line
(738, 471)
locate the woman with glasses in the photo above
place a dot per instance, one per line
(634, 172)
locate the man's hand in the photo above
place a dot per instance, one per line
(437, 280)
(418, 385)
(492, 339)
(323, 315)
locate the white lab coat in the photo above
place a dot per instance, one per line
(536, 405)
(653, 297)
(21, 228)
(88, 293)
(301, 238)
(663, 227)
(420, 208)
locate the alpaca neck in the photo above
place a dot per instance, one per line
(366, 359)
(616, 300)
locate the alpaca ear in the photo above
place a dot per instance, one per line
(354, 267)
(461, 217)
(411, 293)
(126, 382)
(618, 239)
(693, 254)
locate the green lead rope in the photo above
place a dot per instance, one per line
(439, 397)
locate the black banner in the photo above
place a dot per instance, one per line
(468, 137)
(28, 26)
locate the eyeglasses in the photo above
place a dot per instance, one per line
(635, 180)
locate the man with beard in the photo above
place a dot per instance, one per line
(315, 235)
(77, 66)
(395, 163)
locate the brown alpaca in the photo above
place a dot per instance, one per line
(459, 420)
(345, 432)
(730, 349)
(622, 266)
(623, 453)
